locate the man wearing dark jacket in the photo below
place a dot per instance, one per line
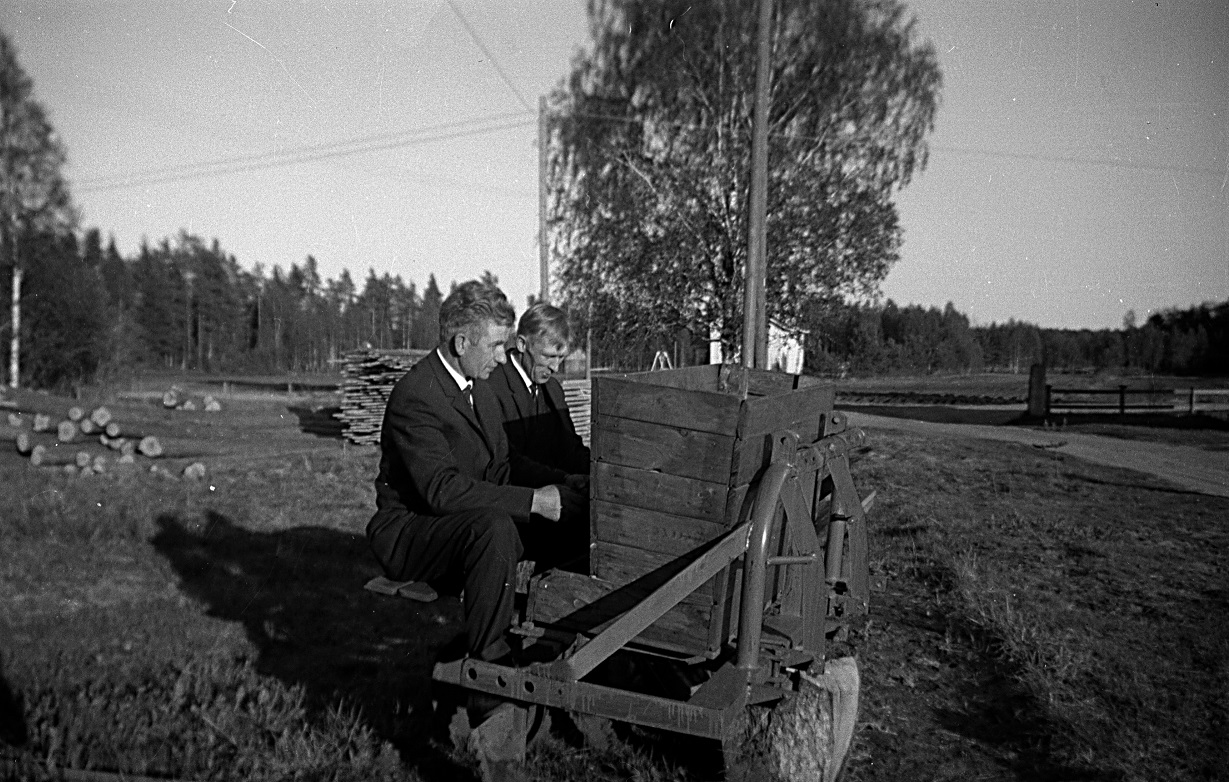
(445, 494)
(539, 427)
(535, 414)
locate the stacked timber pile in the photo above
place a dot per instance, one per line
(579, 397)
(368, 379)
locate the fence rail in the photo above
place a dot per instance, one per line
(1208, 400)
(1124, 399)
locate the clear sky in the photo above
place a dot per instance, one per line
(1078, 169)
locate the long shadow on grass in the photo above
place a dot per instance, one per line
(12, 723)
(320, 421)
(298, 593)
(999, 711)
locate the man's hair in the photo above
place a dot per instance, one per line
(543, 321)
(473, 303)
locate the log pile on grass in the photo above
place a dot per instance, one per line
(176, 399)
(90, 441)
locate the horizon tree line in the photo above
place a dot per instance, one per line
(185, 304)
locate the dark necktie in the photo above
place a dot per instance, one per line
(468, 391)
(535, 392)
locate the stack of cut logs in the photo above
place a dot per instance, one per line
(369, 376)
(579, 397)
(175, 399)
(81, 442)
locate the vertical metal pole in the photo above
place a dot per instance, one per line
(755, 314)
(543, 251)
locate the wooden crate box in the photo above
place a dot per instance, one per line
(673, 455)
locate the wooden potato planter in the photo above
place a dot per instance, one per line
(728, 543)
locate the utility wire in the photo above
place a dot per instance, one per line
(381, 142)
(942, 147)
(277, 160)
(1077, 160)
(408, 135)
(494, 62)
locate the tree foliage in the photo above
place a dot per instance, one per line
(63, 322)
(34, 196)
(649, 163)
(888, 339)
(34, 200)
(185, 303)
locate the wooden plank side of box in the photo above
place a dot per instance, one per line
(577, 603)
(622, 565)
(704, 411)
(767, 414)
(650, 530)
(702, 377)
(663, 448)
(657, 491)
(759, 382)
(753, 452)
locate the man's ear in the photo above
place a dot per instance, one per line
(460, 343)
(522, 344)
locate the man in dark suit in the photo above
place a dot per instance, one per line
(535, 413)
(539, 426)
(449, 492)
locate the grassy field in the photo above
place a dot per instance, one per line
(1043, 619)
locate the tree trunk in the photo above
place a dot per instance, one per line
(15, 340)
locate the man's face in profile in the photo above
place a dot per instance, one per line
(483, 349)
(541, 356)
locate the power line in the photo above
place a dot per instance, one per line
(477, 126)
(1077, 160)
(260, 156)
(942, 147)
(291, 157)
(494, 62)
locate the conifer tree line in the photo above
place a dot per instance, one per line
(888, 338)
(182, 303)
(186, 304)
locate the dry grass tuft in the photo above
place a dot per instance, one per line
(210, 719)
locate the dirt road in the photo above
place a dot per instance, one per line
(1194, 469)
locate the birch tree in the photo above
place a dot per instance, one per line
(34, 197)
(650, 155)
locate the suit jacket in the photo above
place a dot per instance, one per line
(442, 456)
(547, 435)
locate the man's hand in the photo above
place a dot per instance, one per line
(577, 483)
(574, 505)
(547, 502)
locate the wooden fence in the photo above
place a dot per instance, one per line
(1136, 400)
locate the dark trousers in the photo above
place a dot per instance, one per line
(480, 547)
